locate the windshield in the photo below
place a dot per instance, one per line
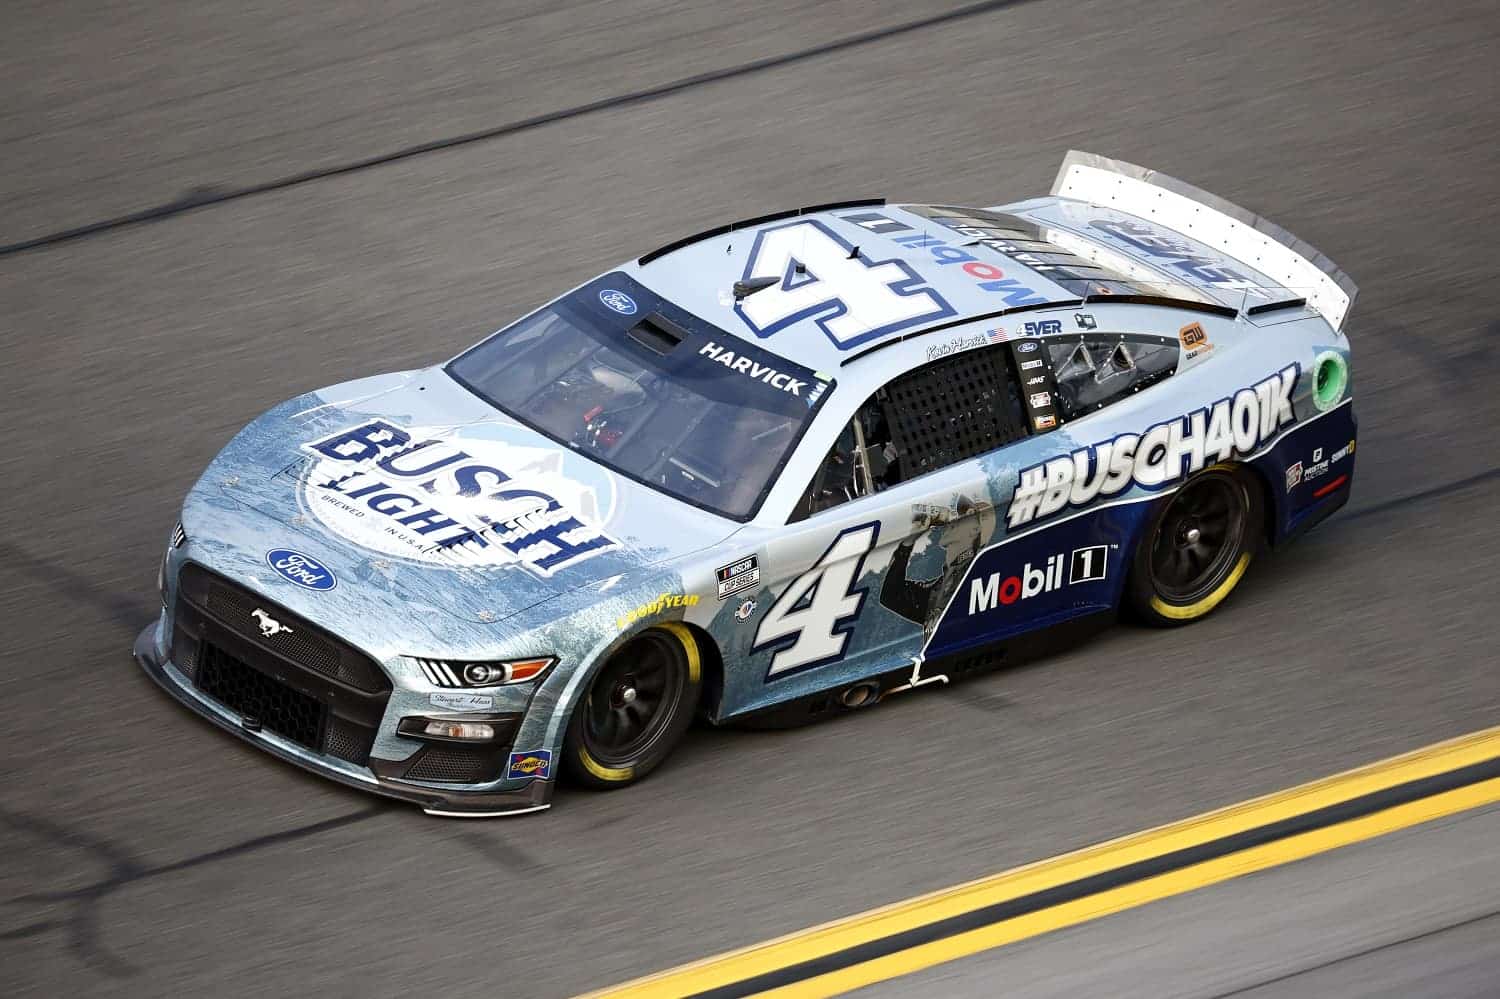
(639, 385)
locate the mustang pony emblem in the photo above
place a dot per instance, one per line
(269, 626)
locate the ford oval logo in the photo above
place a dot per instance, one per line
(617, 300)
(304, 570)
(1026, 347)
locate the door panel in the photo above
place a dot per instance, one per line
(854, 591)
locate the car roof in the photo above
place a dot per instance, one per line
(699, 274)
(982, 262)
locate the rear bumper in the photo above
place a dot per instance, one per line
(150, 652)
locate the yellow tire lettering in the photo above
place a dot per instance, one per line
(1188, 612)
(689, 645)
(602, 772)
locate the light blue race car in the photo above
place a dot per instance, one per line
(777, 470)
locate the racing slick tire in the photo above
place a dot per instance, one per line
(636, 709)
(1197, 547)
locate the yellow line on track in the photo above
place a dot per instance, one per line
(1151, 890)
(830, 938)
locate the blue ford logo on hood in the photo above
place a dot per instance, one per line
(618, 300)
(304, 570)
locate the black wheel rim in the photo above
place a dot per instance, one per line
(1198, 539)
(633, 699)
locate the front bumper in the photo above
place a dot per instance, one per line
(151, 652)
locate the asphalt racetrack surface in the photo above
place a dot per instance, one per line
(1409, 916)
(143, 852)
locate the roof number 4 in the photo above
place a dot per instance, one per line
(821, 277)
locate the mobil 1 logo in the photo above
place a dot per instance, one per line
(1087, 565)
(1001, 589)
(1029, 582)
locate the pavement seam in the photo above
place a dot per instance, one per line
(1366, 952)
(205, 196)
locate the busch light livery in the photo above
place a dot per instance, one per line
(783, 469)
(413, 494)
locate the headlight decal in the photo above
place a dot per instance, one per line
(449, 673)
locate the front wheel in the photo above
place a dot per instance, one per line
(1197, 547)
(636, 709)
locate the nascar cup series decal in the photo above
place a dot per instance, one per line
(1160, 456)
(426, 495)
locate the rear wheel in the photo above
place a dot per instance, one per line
(1199, 544)
(636, 708)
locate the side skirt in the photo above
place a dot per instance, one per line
(974, 661)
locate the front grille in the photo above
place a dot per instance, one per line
(304, 685)
(348, 741)
(258, 697)
(185, 652)
(234, 607)
(299, 717)
(456, 764)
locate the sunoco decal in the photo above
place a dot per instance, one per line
(535, 763)
(426, 496)
(1160, 456)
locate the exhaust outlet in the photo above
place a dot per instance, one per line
(860, 695)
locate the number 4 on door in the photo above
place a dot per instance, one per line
(810, 623)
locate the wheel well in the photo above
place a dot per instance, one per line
(1267, 497)
(712, 663)
(1267, 502)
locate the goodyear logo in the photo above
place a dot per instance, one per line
(655, 607)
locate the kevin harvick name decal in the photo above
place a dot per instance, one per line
(1162, 455)
(751, 368)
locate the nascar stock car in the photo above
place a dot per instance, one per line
(772, 471)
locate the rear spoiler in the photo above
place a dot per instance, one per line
(1243, 236)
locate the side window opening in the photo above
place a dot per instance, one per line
(836, 480)
(953, 409)
(1093, 370)
(937, 415)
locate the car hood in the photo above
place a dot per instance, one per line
(407, 484)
